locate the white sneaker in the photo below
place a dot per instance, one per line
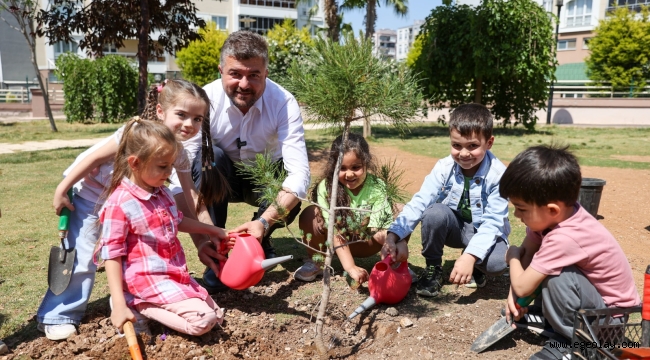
(57, 331)
(3, 348)
(308, 271)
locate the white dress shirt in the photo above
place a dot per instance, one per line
(272, 125)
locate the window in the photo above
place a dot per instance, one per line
(64, 47)
(261, 24)
(566, 44)
(221, 21)
(585, 43)
(547, 5)
(578, 13)
(109, 49)
(289, 4)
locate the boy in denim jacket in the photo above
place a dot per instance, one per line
(459, 206)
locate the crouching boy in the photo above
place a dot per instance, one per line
(576, 260)
(459, 206)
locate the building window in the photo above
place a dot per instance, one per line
(578, 13)
(261, 24)
(566, 44)
(585, 43)
(289, 4)
(221, 21)
(109, 49)
(64, 47)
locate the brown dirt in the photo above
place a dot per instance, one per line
(443, 328)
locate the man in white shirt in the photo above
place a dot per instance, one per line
(251, 115)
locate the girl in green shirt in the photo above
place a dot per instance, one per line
(359, 233)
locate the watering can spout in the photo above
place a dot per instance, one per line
(370, 302)
(271, 263)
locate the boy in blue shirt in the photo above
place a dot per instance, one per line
(459, 206)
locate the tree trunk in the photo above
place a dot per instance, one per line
(478, 94)
(143, 54)
(46, 96)
(367, 130)
(27, 29)
(325, 297)
(332, 20)
(371, 17)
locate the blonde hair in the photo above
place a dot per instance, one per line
(142, 139)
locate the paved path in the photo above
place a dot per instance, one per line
(6, 148)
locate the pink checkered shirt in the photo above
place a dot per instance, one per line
(141, 228)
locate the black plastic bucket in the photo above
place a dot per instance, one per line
(590, 192)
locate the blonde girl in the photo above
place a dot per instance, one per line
(145, 263)
(184, 108)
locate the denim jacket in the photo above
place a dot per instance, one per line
(445, 185)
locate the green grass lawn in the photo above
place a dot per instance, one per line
(28, 223)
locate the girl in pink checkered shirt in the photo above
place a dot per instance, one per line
(145, 263)
(183, 107)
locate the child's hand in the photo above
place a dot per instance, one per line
(61, 200)
(514, 252)
(463, 269)
(398, 252)
(360, 275)
(120, 315)
(513, 311)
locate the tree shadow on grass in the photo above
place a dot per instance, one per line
(425, 131)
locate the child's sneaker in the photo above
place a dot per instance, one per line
(478, 280)
(308, 271)
(430, 281)
(57, 331)
(3, 348)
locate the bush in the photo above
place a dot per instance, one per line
(199, 61)
(286, 44)
(102, 90)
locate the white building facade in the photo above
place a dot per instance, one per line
(405, 38)
(385, 43)
(228, 15)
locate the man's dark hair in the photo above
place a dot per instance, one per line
(542, 174)
(244, 45)
(470, 119)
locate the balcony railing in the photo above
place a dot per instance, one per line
(288, 4)
(593, 89)
(633, 5)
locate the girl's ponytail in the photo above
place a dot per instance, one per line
(213, 186)
(149, 112)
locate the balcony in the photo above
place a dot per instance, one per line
(287, 4)
(632, 5)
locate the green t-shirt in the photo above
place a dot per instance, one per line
(464, 206)
(371, 197)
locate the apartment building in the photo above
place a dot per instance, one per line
(228, 15)
(385, 43)
(405, 38)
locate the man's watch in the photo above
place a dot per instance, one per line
(264, 222)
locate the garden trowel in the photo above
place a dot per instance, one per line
(59, 269)
(503, 327)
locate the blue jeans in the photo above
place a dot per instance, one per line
(83, 232)
(443, 226)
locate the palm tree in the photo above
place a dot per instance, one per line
(400, 7)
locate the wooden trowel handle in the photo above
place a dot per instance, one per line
(132, 340)
(65, 215)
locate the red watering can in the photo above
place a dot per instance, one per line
(387, 285)
(246, 264)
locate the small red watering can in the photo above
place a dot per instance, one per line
(387, 285)
(246, 264)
